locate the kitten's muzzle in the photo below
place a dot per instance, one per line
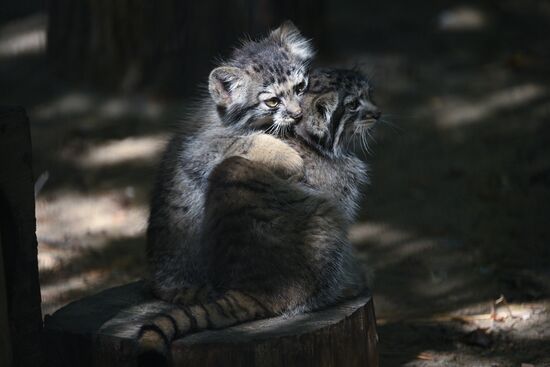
(297, 115)
(294, 110)
(373, 115)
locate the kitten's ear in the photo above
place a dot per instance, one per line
(226, 85)
(326, 104)
(290, 37)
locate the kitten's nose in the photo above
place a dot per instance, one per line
(296, 115)
(375, 114)
(294, 110)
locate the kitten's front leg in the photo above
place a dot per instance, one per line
(275, 155)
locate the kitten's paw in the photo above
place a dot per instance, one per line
(277, 156)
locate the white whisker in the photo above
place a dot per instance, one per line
(370, 135)
(364, 140)
(392, 125)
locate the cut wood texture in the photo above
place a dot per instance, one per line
(20, 290)
(101, 331)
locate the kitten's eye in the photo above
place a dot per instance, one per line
(300, 87)
(353, 105)
(272, 102)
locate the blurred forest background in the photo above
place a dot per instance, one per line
(454, 229)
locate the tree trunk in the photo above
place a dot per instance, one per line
(101, 331)
(168, 45)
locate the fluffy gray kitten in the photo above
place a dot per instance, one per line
(260, 87)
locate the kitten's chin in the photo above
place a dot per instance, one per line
(285, 123)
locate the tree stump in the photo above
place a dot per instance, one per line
(101, 331)
(20, 314)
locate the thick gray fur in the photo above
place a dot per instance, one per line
(269, 217)
(228, 124)
(286, 242)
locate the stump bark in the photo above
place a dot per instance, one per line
(20, 314)
(101, 331)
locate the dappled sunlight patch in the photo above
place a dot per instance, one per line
(492, 333)
(438, 358)
(367, 231)
(417, 269)
(77, 271)
(528, 321)
(399, 253)
(462, 18)
(146, 148)
(23, 37)
(68, 288)
(66, 105)
(76, 217)
(51, 258)
(75, 103)
(59, 291)
(87, 242)
(451, 111)
(394, 244)
(444, 285)
(135, 106)
(429, 356)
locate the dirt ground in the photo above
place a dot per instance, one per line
(454, 228)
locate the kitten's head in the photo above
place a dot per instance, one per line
(262, 85)
(339, 110)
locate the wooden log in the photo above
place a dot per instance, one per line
(18, 240)
(101, 331)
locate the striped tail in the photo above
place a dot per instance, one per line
(155, 338)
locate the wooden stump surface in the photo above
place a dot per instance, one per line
(101, 330)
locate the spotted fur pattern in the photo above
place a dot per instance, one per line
(262, 84)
